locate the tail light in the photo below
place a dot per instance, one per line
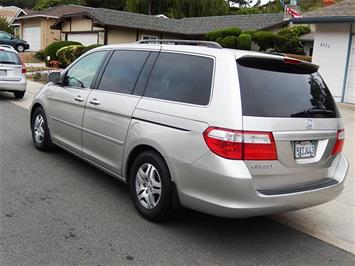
(338, 147)
(23, 71)
(241, 145)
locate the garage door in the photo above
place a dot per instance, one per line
(84, 38)
(32, 35)
(350, 88)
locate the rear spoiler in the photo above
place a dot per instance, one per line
(278, 64)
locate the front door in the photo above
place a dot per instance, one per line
(109, 110)
(69, 99)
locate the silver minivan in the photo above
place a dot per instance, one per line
(226, 132)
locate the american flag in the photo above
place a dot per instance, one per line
(292, 12)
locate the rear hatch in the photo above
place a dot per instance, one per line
(10, 66)
(289, 99)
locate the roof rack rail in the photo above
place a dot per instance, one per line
(7, 46)
(182, 42)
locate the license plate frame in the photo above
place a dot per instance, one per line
(305, 149)
(3, 73)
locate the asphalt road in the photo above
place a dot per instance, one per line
(58, 210)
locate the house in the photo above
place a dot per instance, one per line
(11, 13)
(334, 47)
(35, 27)
(106, 26)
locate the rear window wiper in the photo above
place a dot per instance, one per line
(319, 111)
(311, 111)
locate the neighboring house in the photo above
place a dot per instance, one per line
(308, 43)
(11, 13)
(334, 47)
(35, 28)
(106, 26)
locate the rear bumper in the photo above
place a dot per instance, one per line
(203, 188)
(13, 85)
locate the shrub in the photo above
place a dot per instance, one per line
(5, 26)
(214, 35)
(300, 57)
(244, 41)
(51, 50)
(90, 47)
(39, 55)
(69, 54)
(289, 45)
(295, 31)
(265, 39)
(230, 42)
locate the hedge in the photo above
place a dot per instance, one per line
(51, 50)
(244, 41)
(214, 35)
(69, 54)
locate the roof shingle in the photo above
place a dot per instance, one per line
(343, 8)
(189, 26)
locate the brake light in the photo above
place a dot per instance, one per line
(292, 61)
(23, 71)
(241, 145)
(338, 147)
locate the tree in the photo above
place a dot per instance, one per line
(179, 8)
(243, 3)
(4, 25)
(44, 4)
(18, 3)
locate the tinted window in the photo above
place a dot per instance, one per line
(83, 72)
(272, 88)
(122, 71)
(9, 58)
(181, 78)
(5, 36)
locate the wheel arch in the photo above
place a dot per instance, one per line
(34, 107)
(133, 155)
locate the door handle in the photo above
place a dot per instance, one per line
(78, 99)
(94, 101)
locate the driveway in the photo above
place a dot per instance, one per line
(58, 210)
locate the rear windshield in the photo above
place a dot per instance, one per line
(273, 88)
(9, 58)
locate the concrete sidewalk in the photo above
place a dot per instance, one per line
(333, 222)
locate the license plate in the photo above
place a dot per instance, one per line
(305, 149)
(3, 73)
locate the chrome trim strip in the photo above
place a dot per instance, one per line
(305, 135)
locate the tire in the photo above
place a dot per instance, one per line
(153, 171)
(40, 132)
(19, 94)
(20, 48)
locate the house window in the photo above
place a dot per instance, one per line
(148, 37)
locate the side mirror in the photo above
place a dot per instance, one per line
(54, 77)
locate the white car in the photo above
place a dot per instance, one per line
(12, 72)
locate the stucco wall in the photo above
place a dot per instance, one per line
(48, 35)
(120, 35)
(331, 46)
(81, 24)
